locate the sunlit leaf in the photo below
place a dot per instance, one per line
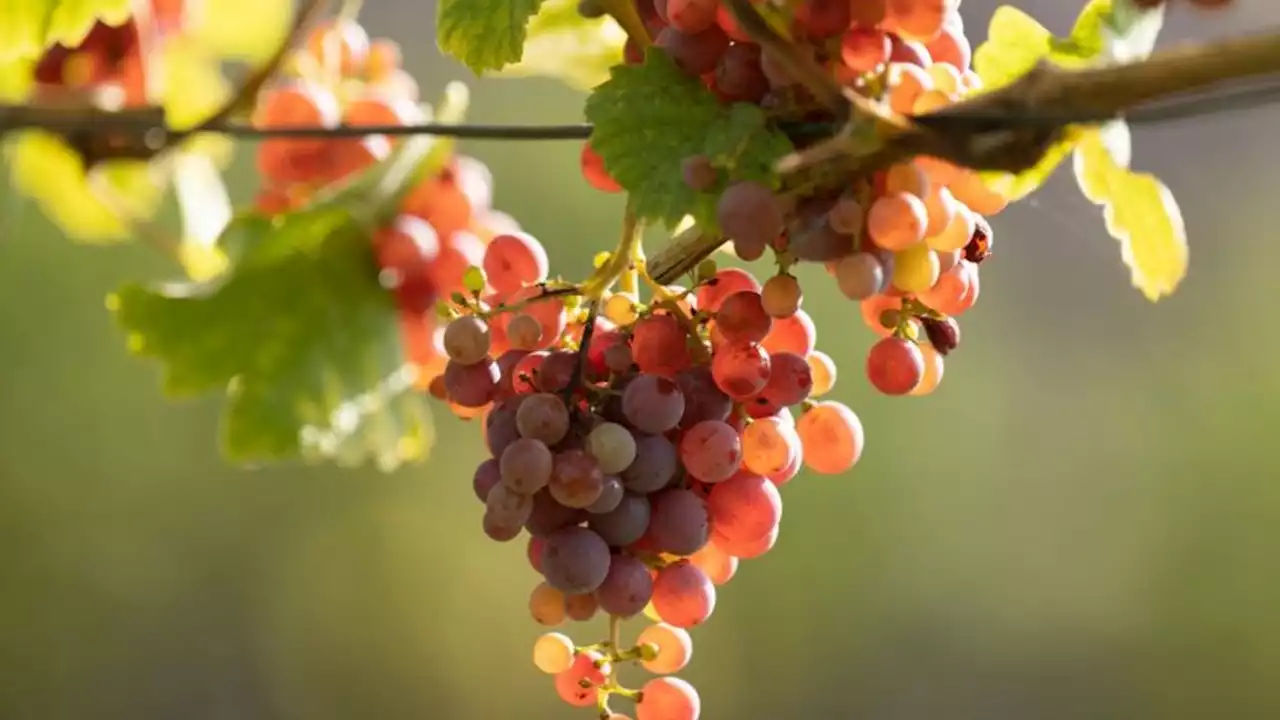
(205, 210)
(564, 45)
(1015, 43)
(1139, 211)
(1016, 186)
(28, 27)
(245, 30)
(484, 34)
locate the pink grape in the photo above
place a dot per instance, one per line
(746, 549)
(543, 417)
(505, 513)
(678, 522)
(658, 345)
(781, 296)
(788, 473)
(719, 566)
(653, 404)
(895, 366)
(683, 595)
(610, 495)
(654, 466)
(673, 644)
(576, 480)
(723, 284)
(796, 334)
(740, 370)
(769, 446)
(694, 53)
(832, 437)
(624, 524)
(668, 698)
(500, 425)
(526, 466)
(742, 318)
(466, 340)
(514, 260)
(744, 507)
(555, 373)
(471, 386)
(487, 475)
(703, 400)
(575, 560)
(751, 214)
(711, 451)
(790, 379)
(627, 587)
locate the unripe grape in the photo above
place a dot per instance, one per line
(672, 645)
(781, 296)
(915, 269)
(553, 653)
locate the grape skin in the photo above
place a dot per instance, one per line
(745, 507)
(674, 648)
(678, 522)
(627, 587)
(543, 417)
(683, 595)
(832, 437)
(668, 698)
(653, 404)
(655, 465)
(526, 466)
(625, 524)
(711, 451)
(575, 560)
(553, 653)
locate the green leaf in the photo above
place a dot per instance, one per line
(564, 45)
(1016, 42)
(28, 27)
(648, 118)
(299, 331)
(1014, 187)
(484, 34)
(1139, 211)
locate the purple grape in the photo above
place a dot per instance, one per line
(487, 475)
(653, 404)
(678, 522)
(627, 586)
(575, 560)
(624, 524)
(703, 399)
(549, 516)
(655, 466)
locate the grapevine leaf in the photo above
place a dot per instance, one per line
(564, 45)
(299, 331)
(96, 207)
(206, 212)
(484, 34)
(226, 34)
(1015, 43)
(1016, 186)
(648, 118)
(30, 26)
(1139, 211)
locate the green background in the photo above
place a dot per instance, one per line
(1081, 523)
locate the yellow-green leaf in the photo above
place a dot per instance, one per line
(1015, 43)
(95, 207)
(1139, 211)
(1014, 187)
(245, 30)
(564, 45)
(484, 35)
(27, 27)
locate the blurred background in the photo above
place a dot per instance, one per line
(1081, 523)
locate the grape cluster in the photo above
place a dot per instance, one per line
(906, 243)
(640, 444)
(339, 76)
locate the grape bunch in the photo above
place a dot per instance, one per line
(640, 444)
(906, 243)
(339, 76)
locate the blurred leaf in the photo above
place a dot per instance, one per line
(246, 30)
(648, 118)
(1139, 211)
(28, 27)
(1130, 31)
(484, 34)
(206, 212)
(93, 207)
(299, 330)
(1014, 187)
(193, 86)
(564, 45)
(1015, 43)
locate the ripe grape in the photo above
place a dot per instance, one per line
(711, 451)
(739, 77)
(654, 467)
(526, 465)
(898, 221)
(669, 698)
(695, 53)
(673, 648)
(548, 516)
(678, 522)
(895, 366)
(749, 213)
(581, 607)
(524, 332)
(831, 436)
(782, 296)
(768, 445)
(796, 334)
(553, 653)
(627, 587)
(790, 380)
(719, 566)
(610, 495)
(624, 524)
(740, 370)
(486, 476)
(594, 172)
(944, 334)
(576, 480)
(859, 276)
(746, 549)
(543, 417)
(823, 371)
(723, 284)
(933, 369)
(514, 260)
(474, 385)
(546, 605)
(742, 318)
(698, 172)
(653, 404)
(466, 340)
(683, 595)
(703, 399)
(864, 49)
(575, 560)
(658, 345)
(745, 507)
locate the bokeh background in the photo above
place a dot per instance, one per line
(1081, 523)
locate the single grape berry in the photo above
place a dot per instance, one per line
(895, 366)
(943, 334)
(979, 246)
